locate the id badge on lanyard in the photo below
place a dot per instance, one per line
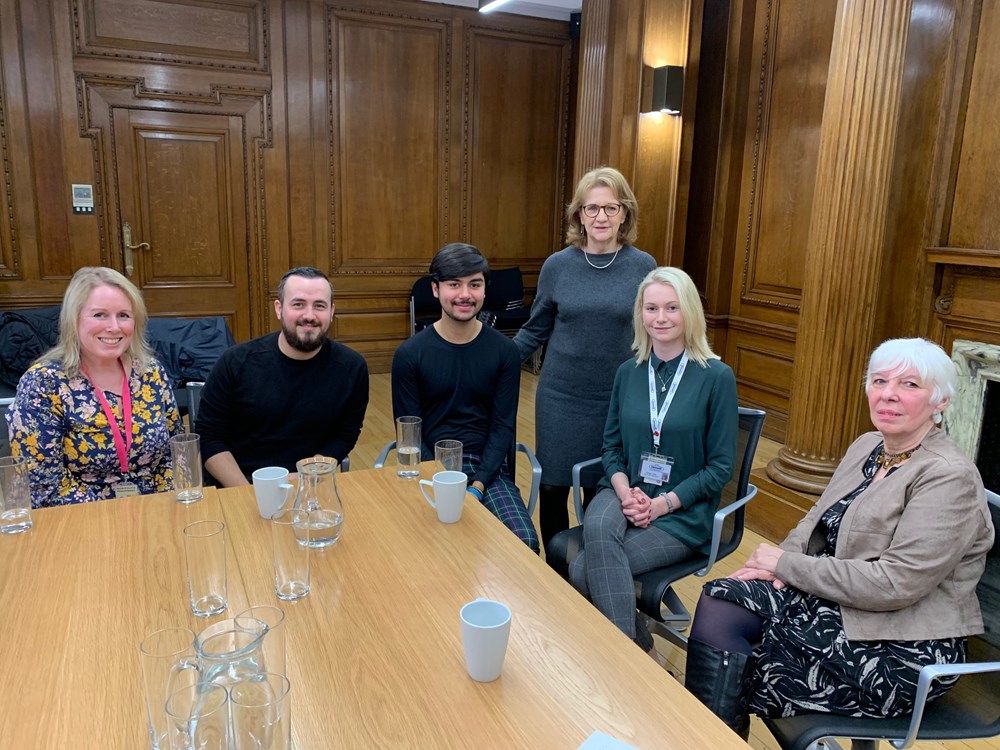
(655, 468)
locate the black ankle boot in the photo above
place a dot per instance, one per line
(721, 680)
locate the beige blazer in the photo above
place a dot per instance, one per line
(910, 550)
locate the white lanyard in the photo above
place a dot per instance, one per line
(656, 418)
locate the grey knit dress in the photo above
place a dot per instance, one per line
(585, 314)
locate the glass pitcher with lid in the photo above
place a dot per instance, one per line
(318, 495)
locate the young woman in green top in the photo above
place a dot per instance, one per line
(669, 448)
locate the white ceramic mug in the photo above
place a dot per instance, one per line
(485, 632)
(271, 487)
(449, 494)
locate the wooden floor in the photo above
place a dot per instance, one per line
(378, 430)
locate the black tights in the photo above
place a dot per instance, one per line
(552, 515)
(726, 626)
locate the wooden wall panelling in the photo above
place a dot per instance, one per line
(784, 112)
(725, 69)
(306, 119)
(444, 126)
(516, 145)
(663, 143)
(933, 64)
(965, 248)
(230, 35)
(974, 215)
(187, 178)
(58, 157)
(13, 147)
(971, 308)
(609, 86)
(205, 56)
(391, 115)
(330, 167)
(389, 125)
(846, 239)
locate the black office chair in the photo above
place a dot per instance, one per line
(536, 468)
(504, 307)
(653, 589)
(5, 404)
(970, 710)
(424, 307)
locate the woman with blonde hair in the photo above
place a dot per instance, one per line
(94, 414)
(669, 449)
(582, 311)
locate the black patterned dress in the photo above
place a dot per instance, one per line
(805, 662)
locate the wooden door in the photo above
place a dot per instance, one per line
(180, 185)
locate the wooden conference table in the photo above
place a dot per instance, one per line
(374, 653)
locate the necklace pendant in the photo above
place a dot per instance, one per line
(663, 389)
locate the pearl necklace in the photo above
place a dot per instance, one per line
(599, 268)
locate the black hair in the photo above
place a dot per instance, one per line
(306, 272)
(457, 260)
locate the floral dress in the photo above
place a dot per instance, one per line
(57, 423)
(805, 662)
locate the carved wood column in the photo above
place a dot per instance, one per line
(594, 43)
(844, 252)
(607, 107)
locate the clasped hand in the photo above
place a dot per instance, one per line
(637, 507)
(761, 566)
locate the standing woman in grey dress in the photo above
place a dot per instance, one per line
(583, 309)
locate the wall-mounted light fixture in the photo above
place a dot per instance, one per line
(488, 6)
(662, 89)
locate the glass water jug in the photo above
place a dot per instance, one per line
(318, 495)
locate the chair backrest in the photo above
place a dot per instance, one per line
(194, 389)
(424, 300)
(989, 585)
(751, 425)
(504, 290)
(423, 305)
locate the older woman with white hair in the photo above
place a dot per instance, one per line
(878, 580)
(94, 415)
(669, 449)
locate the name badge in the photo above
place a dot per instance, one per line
(655, 469)
(126, 489)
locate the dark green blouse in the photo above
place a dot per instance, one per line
(699, 433)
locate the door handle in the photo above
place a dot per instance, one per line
(129, 247)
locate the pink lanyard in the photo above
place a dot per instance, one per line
(122, 445)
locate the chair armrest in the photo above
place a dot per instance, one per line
(928, 675)
(720, 518)
(384, 454)
(536, 476)
(577, 490)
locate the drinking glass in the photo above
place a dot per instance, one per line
(198, 717)
(261, 710)
(448, 453)
(408, 447)
(185, 450)
(165, 655)
(15, 495)
(290, 540)
(205, 552)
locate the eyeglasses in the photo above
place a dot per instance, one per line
(611, 209)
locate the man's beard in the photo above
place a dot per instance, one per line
(301, 344)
